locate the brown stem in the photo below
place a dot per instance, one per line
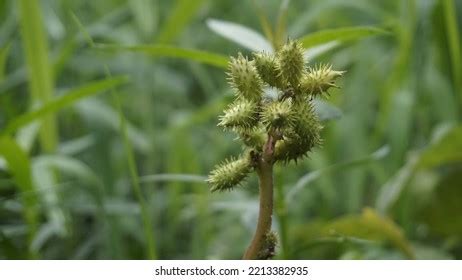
(265, 176)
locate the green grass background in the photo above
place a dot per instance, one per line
(108, 113)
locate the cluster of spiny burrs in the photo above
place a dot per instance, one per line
(288, 119)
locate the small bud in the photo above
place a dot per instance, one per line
(243, 76)
(229, 174)
(268, 69)
(278, 115)
(319, 79)
(268, 247)
(291, 62)
(240, 114)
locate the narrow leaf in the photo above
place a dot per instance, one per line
(240, 34)
(4, 51)
(371, 226)
(189, 178)
(452, 33)
(63, 101)
(447, 149)
(390, 192)
(340, 34)
(171, 51)
(41, 84)
(182, 13)
(19, 165)
(314, 175)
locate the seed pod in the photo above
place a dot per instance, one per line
(278, 115)
(229, 174)
(243, 76)
(289, 149)
(291, 63)
(241, 114)
(319, 79)
(307, 124)
(303, 137)
(253, 138)
(268, 69)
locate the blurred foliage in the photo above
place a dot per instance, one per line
(91, 177)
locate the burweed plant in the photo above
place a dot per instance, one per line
(273, 129)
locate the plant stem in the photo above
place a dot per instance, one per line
(265, 176)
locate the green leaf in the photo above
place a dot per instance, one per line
(447, 149)
(41, 84)
(43, 170)
(340, 34)
(69, 166)
(19, 165)
(240, 34)
(213, 59)
(452, 33)
(442, 213)
(189, 178)
(360, 230)
(63, 101)
(371, 226)
(178, 19)
(314, 175)
(96, 112)
(76, 145)
(326, 111)
(318, 50)
(3, 57)
(264, 21)
(390, 192)
(281, 23)
(145, 13)
(134, 177)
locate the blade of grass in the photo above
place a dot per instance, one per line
(171, 51)
(181, 14)
(310, 177)
(3, 57)
(240, 34)
(41, 81)
(404, 29)
(183, 158)
(391, 191)
(187, 178)
(340, 34)
(145, 215)
(452, 33)
(281, 24)
(99, 113)
(264, 23)
(179, 153)
(19, 165)
(63, 101)
(145, 13)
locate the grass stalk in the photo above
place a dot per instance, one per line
(145, 215)
(452, 34)
(134, 177)
(39, 68)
